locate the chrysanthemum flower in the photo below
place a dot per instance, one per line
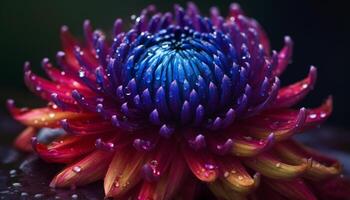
(177, 101)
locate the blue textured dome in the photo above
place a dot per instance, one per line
(188, 69)
(181, 71)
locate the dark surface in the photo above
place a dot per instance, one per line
(24, 176)
(320, 29)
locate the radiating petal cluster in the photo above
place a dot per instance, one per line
(177, 101)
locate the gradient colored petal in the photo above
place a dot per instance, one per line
(44, 117)
(202, 164)
(320, 168)
(246, 146)
(284, 56)
(65, 149)
(235, 176)
(124, 172)
(269, 166)
(84, 171)
(292, 94)
(168, 185)
(222, 192)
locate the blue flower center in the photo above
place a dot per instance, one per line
(181, 70)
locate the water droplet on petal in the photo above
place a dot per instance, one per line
(226, 174)
(77, 169)
(17, 184)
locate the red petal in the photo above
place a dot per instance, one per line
(292, 94)
(90, 169)
(65, 150)
(62, 77)
(159, 161)
(88, 127)
(202, 164)
(44, 117)
(168, 185)
(23, 141)
(284, 56)
(45, 88)
(286, 122)
(282, 123)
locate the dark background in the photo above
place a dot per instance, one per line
(29, 30)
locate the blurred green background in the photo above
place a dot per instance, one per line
(29, 30)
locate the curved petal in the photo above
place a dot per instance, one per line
(159, 162)
(292, 94)
(320, 168)
(286, 122)
(88, 127)
(44, 117)
(168, 185)
(284, 56)
(282, 123)
(66, 149)
(293, 189)
(235, 176)
(202, 164)
(24, 140)
(269, 166)
(91, 168)
(246, 146)
(222, 192)
(124, 171)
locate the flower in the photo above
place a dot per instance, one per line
(176, 101)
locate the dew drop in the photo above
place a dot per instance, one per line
(278, 165)
(38, 88)
(74, 196)
(226, 174)
(17, 184)
(13, 172)
(240, 178)
(313, 116)
(323, 115)
(209, 166)
(76, 169)
(81, 74)
(233, 171)
(116, 184)
(304, 86)
(24, 194)
(52, 115)
(38, 196)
